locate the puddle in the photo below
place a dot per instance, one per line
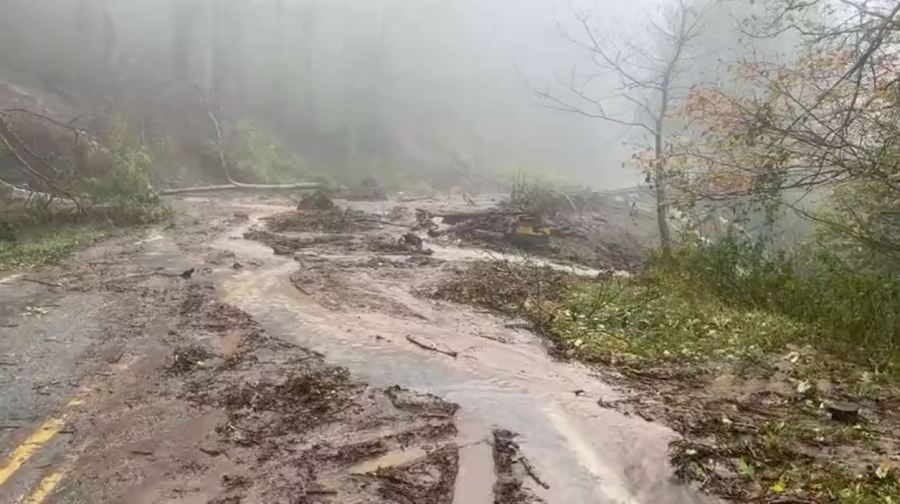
(448, 253)
(392, 459)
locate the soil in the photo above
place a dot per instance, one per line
(513, 472)
(322, 373)
(802, 426)
(595, 233)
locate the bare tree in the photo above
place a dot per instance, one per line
(647, 79)
(822, 125)
(183, 18)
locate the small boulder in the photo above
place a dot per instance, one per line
(843, 412)
(316, 201)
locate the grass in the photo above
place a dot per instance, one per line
(47, 246)
(39, 233)
(651, 319)
(792, 335)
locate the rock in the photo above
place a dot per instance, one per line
(316, 201)
(844, 412)
(412, 240)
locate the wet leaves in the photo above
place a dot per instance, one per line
(750, 397)
(504, 287)
(186, 359)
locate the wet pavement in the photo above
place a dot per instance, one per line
(502, 376)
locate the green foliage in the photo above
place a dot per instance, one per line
(856, 313)
(113, 190)
(661, 316)
(117, 186)
(261, 159)
(862, 222)
(37, 248)
(537, 196)
(731, 301)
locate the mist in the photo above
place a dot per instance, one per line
(443, 91)
(449, 252)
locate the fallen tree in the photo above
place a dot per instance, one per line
(237, 186)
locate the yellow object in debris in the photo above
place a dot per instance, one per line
(532, 231)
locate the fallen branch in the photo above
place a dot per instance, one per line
(186, 275)
(455, 217)
(416, 198)
(533, 473)
(284, 245)
(431, 348)
(379, 221)
(49, 119)
(220, 142)
(237, 186)
(42, 282)
(5, 134)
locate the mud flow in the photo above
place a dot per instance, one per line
(372, 313)
(256, 353)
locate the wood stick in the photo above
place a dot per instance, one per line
(237, 186)
(431, 348)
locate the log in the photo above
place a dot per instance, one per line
(455, 217)
(844, 412)
(430, 347)
(286, 245)
(241, 187)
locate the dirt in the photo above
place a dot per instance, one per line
(500, 285)
(210, 387)
(354, 302)
(590, 233)
(773, 431)
(799, 427)
(185, 397)
(276, 423)
(332, 220)
(513, 472)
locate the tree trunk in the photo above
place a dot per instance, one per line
(234, 31)
(182, 19)
(108, 47)
(218, 69)
(659, 181)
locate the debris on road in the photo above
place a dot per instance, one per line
(512, 471)
(316, 201)
(431, 347)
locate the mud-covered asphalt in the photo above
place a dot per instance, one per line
(322, 374)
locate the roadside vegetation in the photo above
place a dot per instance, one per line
(777, 360)
(112, 192)
(780, 367)
(753, 357)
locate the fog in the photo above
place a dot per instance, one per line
(445, 90)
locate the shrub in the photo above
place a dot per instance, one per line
(537, 196)
(262, 159)
(853, 311)
(118, 187)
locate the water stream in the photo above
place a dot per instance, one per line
(503, 377)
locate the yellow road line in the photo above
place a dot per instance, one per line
(47, 431)
(38, 438)
(43, 488)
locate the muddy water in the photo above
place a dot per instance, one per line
(501, 378)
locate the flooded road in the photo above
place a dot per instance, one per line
(502, 377)
(153, 368)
